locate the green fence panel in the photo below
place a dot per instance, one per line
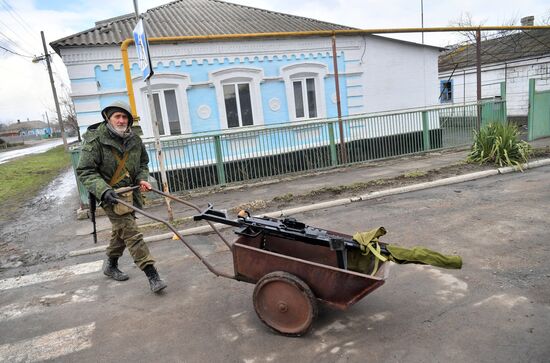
(493, 112)
(541, 115)
(205, 160)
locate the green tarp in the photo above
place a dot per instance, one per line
(369, 257)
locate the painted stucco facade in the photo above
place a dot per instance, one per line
(375, 74)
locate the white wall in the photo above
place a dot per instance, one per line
(399, 75)
(516, 74)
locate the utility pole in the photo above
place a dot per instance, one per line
(478, 77)
(59, 117)
(156, 133)
(422, 18)
(343, 151)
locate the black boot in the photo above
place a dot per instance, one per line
(110, 268)
(155, 281)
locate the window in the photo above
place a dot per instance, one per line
(166, 109)
(446, 91)
(304, 84)
(304, 98)
(238, 106)
(238, 96)
(169, 93)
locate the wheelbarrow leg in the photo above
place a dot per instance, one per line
(285, 303)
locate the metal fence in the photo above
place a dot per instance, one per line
(217, 158)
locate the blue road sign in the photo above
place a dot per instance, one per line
(142, 48)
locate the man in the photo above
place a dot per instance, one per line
(113, 157)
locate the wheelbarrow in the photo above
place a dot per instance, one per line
(294, 266)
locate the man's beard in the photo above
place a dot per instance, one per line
(120, 129)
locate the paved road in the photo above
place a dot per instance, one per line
(496, 309)
(40, 148)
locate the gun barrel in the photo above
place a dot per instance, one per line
(286, 228)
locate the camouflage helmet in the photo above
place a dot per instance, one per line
(118, 106)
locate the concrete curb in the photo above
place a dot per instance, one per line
(340, 202)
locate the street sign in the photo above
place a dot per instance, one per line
(142, 48)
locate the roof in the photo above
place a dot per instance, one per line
(194, 17)
(27, 125)
(523, 44)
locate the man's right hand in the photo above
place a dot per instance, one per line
(110, 197)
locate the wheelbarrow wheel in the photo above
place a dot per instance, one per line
(285, 303)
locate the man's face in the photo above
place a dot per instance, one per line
(119, 121)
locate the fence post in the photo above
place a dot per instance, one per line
(219, 160)
(333, 154)
(504, 111)
(426, 131)
(531, 111)
(503, 91)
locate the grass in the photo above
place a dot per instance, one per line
(22, 178)
(415, 174)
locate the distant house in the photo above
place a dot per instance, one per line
(510, 60)
(220, 85)
(29, 128)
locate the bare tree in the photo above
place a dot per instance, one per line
(466, 20)
(69, 115)
(545, 20)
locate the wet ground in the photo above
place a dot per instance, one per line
(40, 229)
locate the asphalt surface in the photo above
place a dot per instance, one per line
(496, 309)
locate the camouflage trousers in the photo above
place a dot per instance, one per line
(124, 234)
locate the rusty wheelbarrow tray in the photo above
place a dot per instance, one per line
(291, 277)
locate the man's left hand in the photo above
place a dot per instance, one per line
(144, 186)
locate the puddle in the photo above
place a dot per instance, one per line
(59, 190)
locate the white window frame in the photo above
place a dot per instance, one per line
(252, 76)
(160, 83)
(305, 98)
(302, 71)
(235, 85)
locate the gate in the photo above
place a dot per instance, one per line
(539, 112)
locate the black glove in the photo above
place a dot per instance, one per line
(110, 197)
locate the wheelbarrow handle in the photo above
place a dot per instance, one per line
(127, 189)
(191, 248)
(194, 206)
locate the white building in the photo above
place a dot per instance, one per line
(216, 85)
(511, 60)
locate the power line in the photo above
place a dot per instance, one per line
(14, 45)
(11, 51)
(15, 35)
(13, 13)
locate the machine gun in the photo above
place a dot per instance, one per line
(288, 228)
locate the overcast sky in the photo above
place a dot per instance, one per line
(25, 88)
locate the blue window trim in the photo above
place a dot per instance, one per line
(447, 94)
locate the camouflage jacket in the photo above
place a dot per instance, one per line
(98, 163)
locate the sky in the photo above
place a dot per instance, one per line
(25, 87)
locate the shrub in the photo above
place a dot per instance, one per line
(499, 144)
